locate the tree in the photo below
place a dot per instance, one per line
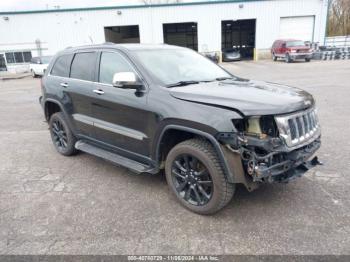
(339, 18)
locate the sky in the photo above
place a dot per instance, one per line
(19, 5)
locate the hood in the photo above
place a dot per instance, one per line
(248, 97)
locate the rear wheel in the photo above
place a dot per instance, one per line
(195, 176)
(62, 137)
(307, 59)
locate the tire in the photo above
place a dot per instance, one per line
(274, 58)
(220, 191)
(33, 73)
(307, 59)
(287, 58)
(62, 137)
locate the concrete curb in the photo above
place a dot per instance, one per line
(15, 76)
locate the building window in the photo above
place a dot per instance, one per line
(27, 56)
(18, 57)
(10, 59)
(181, 34)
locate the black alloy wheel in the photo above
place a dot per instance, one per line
(192, 180)
(195, 176)
(59, 135)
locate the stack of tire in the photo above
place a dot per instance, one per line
(331, 53)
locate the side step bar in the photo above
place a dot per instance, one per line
(119, 160)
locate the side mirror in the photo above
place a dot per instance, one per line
(284, 45)
(127, 80)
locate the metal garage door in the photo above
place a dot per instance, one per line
(301, 27)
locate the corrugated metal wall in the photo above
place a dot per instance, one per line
(62, 29)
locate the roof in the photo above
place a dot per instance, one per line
(121, 46)
(125, 7)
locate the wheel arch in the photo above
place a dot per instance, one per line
(52, 106)
(190, 133)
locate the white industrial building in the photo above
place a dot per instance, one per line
(210, 26)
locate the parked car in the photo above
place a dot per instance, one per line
(213, 56)
(230, 55)
(290, 50)
(162, 107)
(38, 65)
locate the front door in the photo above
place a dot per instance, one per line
(121, 115)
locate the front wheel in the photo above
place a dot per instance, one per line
(287, 58)
(307, 59)
(195, 176)
(274, 57)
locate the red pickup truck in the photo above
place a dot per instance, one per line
(290, 50)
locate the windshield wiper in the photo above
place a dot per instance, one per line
(183, 83)
(224, 78)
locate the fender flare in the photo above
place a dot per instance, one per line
(63, 110)
(212, 140)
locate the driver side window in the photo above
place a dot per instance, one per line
(110, 64)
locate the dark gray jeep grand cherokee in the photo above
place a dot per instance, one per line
(154, 107)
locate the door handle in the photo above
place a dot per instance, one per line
(99, 91)
(64, 84)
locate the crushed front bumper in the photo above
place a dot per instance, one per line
(296, 163)
(253, 161)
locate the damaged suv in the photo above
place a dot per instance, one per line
(160, 107)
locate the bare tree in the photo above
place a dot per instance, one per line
(339, 18)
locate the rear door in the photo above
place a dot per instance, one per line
(79, 90)
(121, 116)
(75, 88)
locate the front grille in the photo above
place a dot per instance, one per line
(299, 127)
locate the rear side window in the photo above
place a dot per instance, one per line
(62, 65)
(110, 64)
(83, 66)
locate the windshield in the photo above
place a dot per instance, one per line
(45, 59)
(295, 43)
(171, 66)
